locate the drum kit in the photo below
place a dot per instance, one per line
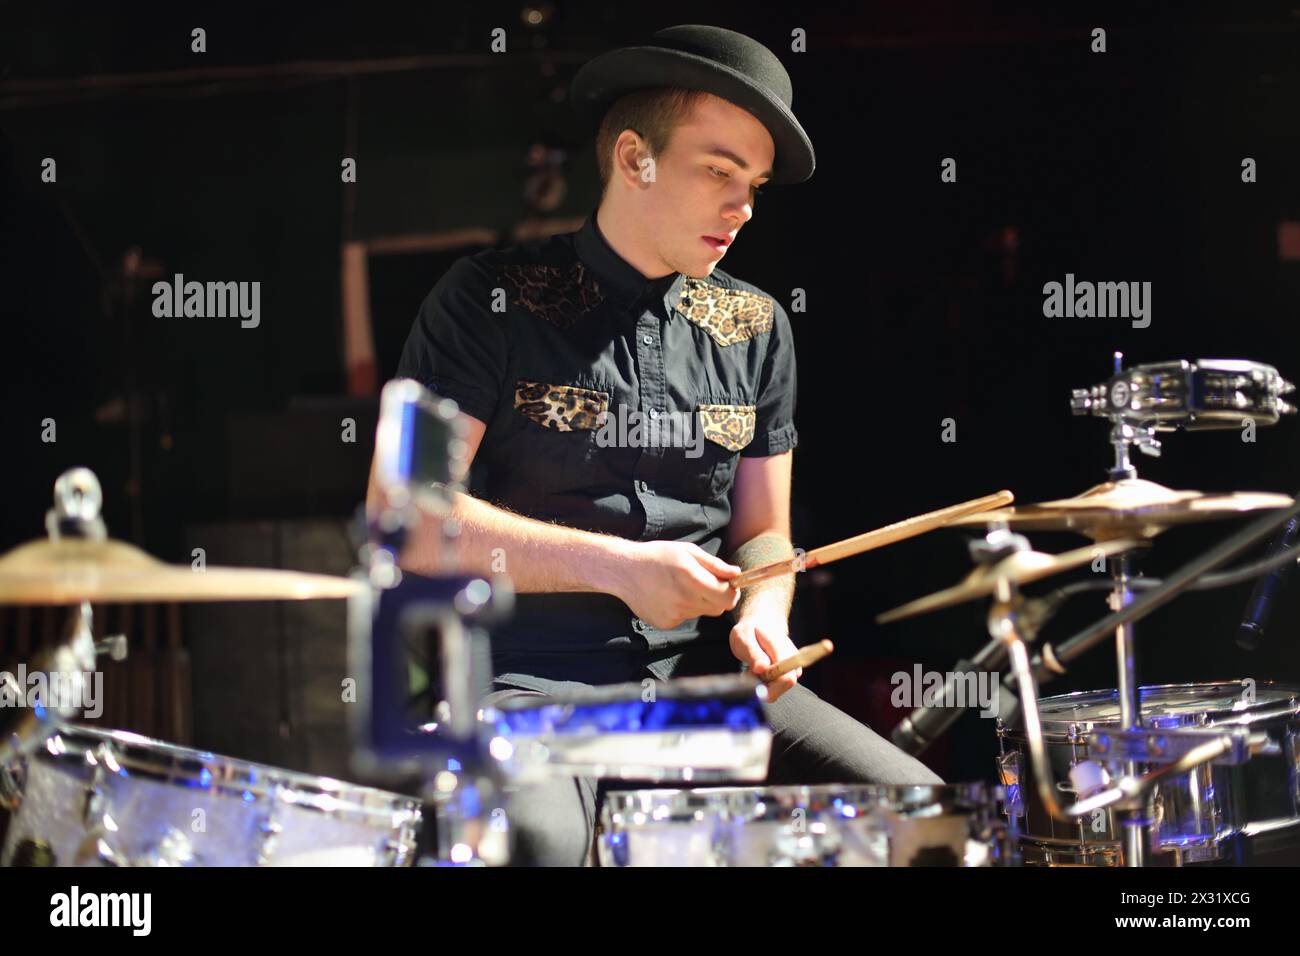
(80, 795)
(1133, 776)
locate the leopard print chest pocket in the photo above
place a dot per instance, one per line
(556, 432)
(724, 426)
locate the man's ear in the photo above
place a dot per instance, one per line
(631, 154)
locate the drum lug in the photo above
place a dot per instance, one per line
(94, 846)
(398, 849)
(721, 845)
(269, 826)
(817, 845)
(269, 831)
(13, 778)
(394, 852)
(1009, 778)
(92, 810)
(173, 849)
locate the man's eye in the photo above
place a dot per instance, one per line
(721, 172)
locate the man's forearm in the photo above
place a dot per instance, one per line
(774, 595)
(538, 556)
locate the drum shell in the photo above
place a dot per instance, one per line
(1197, 814)
(152, 802)
(828, 825)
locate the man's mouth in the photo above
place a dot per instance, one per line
(717, 243)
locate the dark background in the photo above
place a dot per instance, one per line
(924, 298)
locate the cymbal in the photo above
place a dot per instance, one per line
(71, 570)
(1020, 567)
(1129, 508)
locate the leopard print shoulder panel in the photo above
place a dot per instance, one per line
(564, 408)
(558, 295)
(727, 315)
(731, 426)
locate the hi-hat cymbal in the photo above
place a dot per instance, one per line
(72, 570)
(1129, 508)
(1020, 567)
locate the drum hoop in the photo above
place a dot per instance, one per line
(905, 797)
(1056, 728)
(176, 765)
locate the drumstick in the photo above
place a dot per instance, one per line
(801, 658)
(889, 534)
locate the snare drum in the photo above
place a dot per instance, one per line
(92, 797)
(1200, 814)
(828, 825)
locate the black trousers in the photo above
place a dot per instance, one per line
(553, 823)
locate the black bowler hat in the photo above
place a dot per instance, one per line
(722, 62)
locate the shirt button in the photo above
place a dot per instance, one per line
(648, 339)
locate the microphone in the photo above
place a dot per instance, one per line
(1250, 633)
(924, 725)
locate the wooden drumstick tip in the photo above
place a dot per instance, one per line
(804, 657)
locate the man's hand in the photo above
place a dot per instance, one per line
(668, 582)
(760, 640)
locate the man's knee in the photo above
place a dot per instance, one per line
(818, 741)
(915, 772)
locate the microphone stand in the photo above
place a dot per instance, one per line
(1251, 630)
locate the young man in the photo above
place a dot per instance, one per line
(621, 540)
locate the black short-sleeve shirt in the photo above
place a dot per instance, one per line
(613, 403)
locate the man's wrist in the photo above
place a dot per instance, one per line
(768, 607)
(610, 561)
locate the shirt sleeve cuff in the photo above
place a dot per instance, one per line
(772, 443)
(472, 402)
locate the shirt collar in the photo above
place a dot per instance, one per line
(613, 272)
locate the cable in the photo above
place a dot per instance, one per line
(1046, 606)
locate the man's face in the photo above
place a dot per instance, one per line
(704, 188)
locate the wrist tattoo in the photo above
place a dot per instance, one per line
(757, 551)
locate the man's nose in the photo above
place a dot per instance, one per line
(744, 212)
